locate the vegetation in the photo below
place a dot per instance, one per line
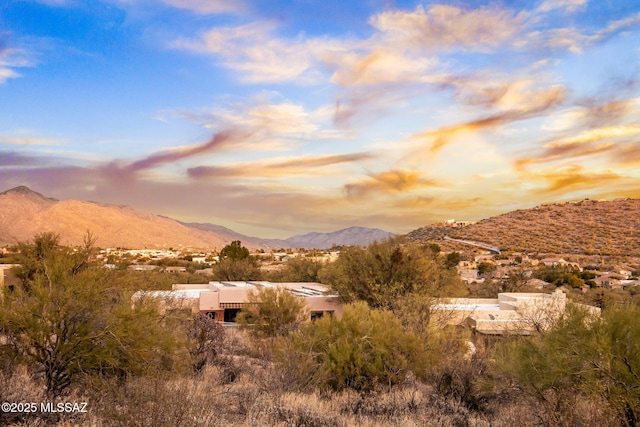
(585, 227)
(582, 357)
(66, 321)
(361, 350)
(272, 312)
(235, 263)
(386, 271)
(68, 333)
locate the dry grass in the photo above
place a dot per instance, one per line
(259, 395)
(205, 400)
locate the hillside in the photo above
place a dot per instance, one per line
(25, 213)
(583, 227)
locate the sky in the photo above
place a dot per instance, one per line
(275, 118)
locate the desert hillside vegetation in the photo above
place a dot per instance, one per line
(584, 227)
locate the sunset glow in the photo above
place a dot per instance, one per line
(275, 118)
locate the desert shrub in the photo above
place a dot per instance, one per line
(271, 312)
(363, 349)
(205, 337)
(581, 359)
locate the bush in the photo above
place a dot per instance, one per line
(66, 322)
(362, 350)
(271, 312)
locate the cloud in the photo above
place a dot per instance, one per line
(567, 5)
(607, 113)
(628, 154)
(381, 65)
(10, 60)
(208, 6)
(259, 56)
(540, 101)
(444, 27)
(304, 165)
(573, 178)
(9, 159)
(284, 118)
(392, 181)
(27, 140)
(170, 156)
(571, 38)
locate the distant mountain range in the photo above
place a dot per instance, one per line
(25, 213)
(585, 227)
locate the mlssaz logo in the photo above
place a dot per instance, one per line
(68, 407)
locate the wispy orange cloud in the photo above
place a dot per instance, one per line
(170, 156)
(542, 101)
(628, 153)
(612, 140)
(392, 181)
(304, 165)
(571, 178)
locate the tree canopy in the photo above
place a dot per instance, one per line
(385, 271)
(68, 322)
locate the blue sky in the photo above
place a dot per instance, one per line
(282, 117)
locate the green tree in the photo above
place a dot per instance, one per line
(272, 312)
(300, 270)
(486, 269)
(235, 251)
(229, 269)
(551, 367)
(67, 322)
(452, 260)
(236, 263)
(385, 271)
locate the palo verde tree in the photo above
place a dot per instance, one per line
(582, 357)
(66, 321)
(388, 270)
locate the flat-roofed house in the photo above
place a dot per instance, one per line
(510, 313)
(223, 300)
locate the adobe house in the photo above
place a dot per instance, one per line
(223, 300)
(511, 313)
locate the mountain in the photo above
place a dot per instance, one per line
(357, 236)
(230, 235)
(582, 227)
(25, 213)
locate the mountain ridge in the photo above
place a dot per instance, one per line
(25, 213)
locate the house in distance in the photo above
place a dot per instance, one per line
(223, 300)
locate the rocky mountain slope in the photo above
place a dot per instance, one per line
(583, 227)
